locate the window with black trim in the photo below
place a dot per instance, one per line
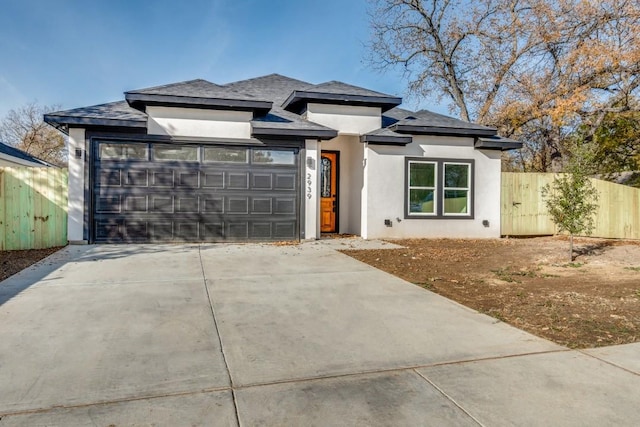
(439, 188)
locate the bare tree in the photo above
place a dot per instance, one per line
(536, 69)
(25, 129)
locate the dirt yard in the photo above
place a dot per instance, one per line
(12, 262)
(593, 301)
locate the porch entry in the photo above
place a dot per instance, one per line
(329, 191)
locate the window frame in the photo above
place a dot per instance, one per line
(440, 188)
(409, 187)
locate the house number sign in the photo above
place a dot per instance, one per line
(309, 182)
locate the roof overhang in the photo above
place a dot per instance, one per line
(298, 100)
(444, 131)
(386, 139)
(63, 123)
(139, 101)
(497, 143)
(323, 134)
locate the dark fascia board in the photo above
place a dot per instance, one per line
(504, 145)
(297, 101)
(141, 100)
(432, 130)
(302, 133)
(386, 140)
(63, 122)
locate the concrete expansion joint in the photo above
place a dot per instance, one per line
(294, 274)
(609, 363)
(390, 370)
(217, 331)
(113, 401)
(449, 398)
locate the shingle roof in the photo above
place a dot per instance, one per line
(335, 92)
(276, 88)
(117, 113)
(277, 102)
(341, 88)
(196, 93)
(19, 154)
(428, 122)
(197, 88)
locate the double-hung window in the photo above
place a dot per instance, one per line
(439, 188)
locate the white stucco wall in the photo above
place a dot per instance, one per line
(194, 122)
(346, 119)
(311, 185)
(350, 181)
(385, 192)
(75, 214)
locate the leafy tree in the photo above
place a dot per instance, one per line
(536, 69)
(571, 198)
(618, 144)
(25, 129)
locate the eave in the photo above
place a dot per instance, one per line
(63, 123)
(297, 101)
(140, 101)
(386, 140)
(443, 131)
(497, 143)
(323, 134)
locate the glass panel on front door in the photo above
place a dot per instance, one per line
(325, 178)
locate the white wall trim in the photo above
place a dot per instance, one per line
(75, 214)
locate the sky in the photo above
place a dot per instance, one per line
(76, 53)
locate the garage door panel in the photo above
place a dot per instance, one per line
(136, 178)
(262, 205)
(108, 204)
(188, 179)
(161, 204)
(237, 181)
(110, 178)
(285, 230)
(230, 198)
(187, 204)
(162, 178)
(285, 181)
(213, 180)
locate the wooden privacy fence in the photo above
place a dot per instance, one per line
(525, 214)
(33, 208)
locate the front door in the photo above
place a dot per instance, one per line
(328, 192)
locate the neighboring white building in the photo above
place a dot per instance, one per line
(13, 157)
(274, 158)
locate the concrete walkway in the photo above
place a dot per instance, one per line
(278, 335)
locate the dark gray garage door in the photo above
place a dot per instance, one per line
(160, 192)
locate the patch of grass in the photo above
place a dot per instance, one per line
(632, 268)
(504, 274)
(496, 314)
(426, 285)
(574, 264)
(508, 275)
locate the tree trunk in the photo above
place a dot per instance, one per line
(571, 248)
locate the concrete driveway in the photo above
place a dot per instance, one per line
(278, 335)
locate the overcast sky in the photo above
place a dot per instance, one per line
(76, 53)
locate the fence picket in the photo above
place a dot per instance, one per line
(524, 213)
(33, 208)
